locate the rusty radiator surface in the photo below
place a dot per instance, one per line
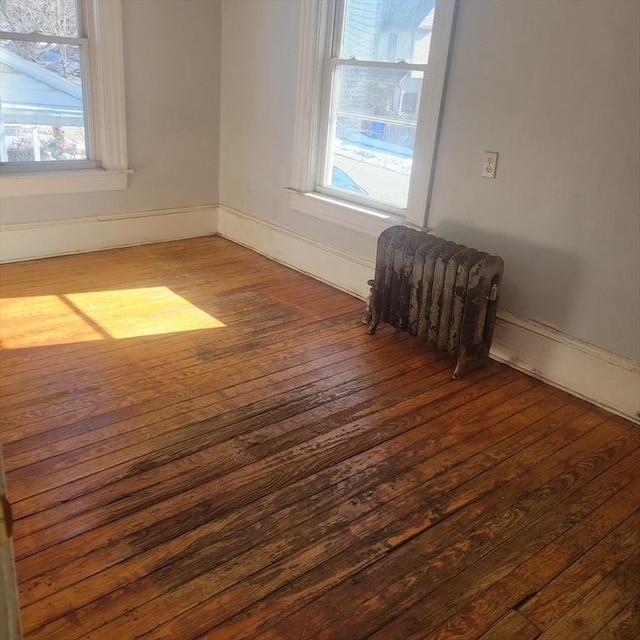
(440, 291)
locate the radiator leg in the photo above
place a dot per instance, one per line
(374, 319)
(369, 303)
(373, 315)
(469, 361)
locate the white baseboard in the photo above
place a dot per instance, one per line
(603, 378)
(319, 261)
(59, 237)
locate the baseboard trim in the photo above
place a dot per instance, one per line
(323, 263)
(59, 237)
(584, 370)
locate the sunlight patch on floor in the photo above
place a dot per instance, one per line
(98, 315)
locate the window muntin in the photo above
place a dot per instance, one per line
(374, 78)
(43, 107)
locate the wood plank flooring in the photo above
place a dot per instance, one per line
(201, 443)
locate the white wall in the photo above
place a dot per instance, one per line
(172, 82)
(552, 85)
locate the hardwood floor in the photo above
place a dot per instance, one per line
(201, 443)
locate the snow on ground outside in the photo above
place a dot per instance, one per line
(384, 176)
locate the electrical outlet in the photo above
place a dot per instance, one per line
(489, 163)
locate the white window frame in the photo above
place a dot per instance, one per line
(105, 109)
(306, 197)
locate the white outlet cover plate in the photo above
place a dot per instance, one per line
(489, 164)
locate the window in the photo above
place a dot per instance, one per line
(370, 92)
(41, 77)
(62, 126)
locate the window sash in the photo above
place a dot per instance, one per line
(40, 37)
(9, 168)
(401, 65)
(327, 135)
(60, 165)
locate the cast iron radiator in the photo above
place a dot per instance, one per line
(437, 290)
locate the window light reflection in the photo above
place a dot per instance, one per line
(98, 315)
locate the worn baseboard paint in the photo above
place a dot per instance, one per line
(60, 237)
(603, 378)
(582, 369)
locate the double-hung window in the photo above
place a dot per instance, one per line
(370, 93)
(62, 124)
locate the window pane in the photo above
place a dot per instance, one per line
(48, 17)
(388, 30)
(373, 134)
(41, 109)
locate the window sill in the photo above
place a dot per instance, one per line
(55, 183)
(344, 214)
